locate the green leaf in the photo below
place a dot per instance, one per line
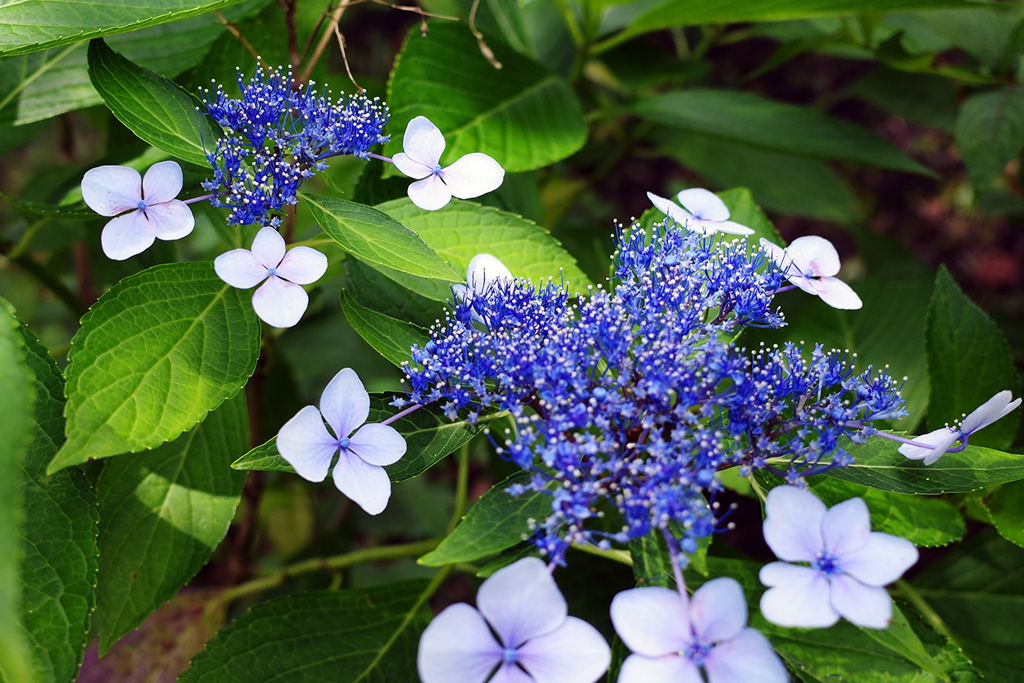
(372, 289)
(747, 118)
(16, 404)
(390, 337)
(429, 436)
(162, 514)
(461, 230)
(343, 636)
(919, 98)
(73, 212)
(523, 115)
(745, 211)
(651, 566)
(497, 521)
(32, 25)
(1006, 509)
(968, 361)
(902, 639)
(157, 110)
(879, 464)
(154, 355)
(990, 131)
(59, 552)
(376, 238)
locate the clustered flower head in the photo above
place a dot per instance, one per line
(635, 396)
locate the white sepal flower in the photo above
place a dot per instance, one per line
(470, 176)
(942, 439)
(484, 270)
(702, 212)
(309, 448)
(153, 211)
(280, 301)
(811, 263)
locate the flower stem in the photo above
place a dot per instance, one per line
(402, 413)
(461, 487)
(677, 570)
(380, 157)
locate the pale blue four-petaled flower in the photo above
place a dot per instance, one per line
(309, 448)
(702, 211)
(152, 210)
(936, 443)
(811, 263)
(537, 641)
(848, 563)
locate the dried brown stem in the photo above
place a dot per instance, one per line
(485, 49)
(238, 34)
(344, 57)
(324, 40)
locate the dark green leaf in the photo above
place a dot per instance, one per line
(990, 131)
(373, 289)
(162, 514)
(968, 362)
(154, 108)
(157, 352)
(390, 337)
(1006, 509)
(920, 98)
(72, 212)
(745, 211)
(651, 566)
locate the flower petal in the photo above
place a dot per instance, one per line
(510, 673)
(792, 526)
(279, 303)
(814, 255)
(836, 293)
(306, 444)
(718, 610)
(733, 228)
(670, 209)
(799, 596)
(171, 220)
(410, 167)
(846, 526)
(866, 606)
(423, 142)
(703, 204)
(162, 182)
(110, 190)
(473, 175)
(302, 265)
(126, 236)
(457, 647)
(522, 601)
(239, 268)
(745, 658)
(942, 438)
(368, 486)
(651, 621)
(882, 559)
(667, 669)
(988, 412)
(344, 402)
(430, 194)
(702, 227)
(573, 653)
(483, 270)
(378, 444)
(268, 247)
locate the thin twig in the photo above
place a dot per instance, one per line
(344, 57)
(238, 34)
(485, 50)
(324, 39)
(288, 7)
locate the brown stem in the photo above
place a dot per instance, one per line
(238, 34)
(288, 7)
(87, 293)
(324, 40)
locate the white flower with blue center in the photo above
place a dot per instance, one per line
(470, 176)
(847, 563)
(702, 211)
(810, 263)
(943, 438)
(153, 211)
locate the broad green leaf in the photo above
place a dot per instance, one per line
(919, 98)
(162, 514)
(879, 464)
(747, 118)
(990, 131)
(651, 566)
(16, 405)
(154, 355)
(523, 115)
(72, 212)
(922, 521)
(429, 436)
(59, 552)
(968, 362)
(343, 636)
(32, 25)
(461, 230)
(1006, 509)
(154, 108)
(497, 521)
(374, 237)
(984, 32)
(390, 337)
(377, 291)
(744, 210)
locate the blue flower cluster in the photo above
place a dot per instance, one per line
(633, 398)
(276, 135)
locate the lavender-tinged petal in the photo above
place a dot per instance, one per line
(366, 485)
(510, 673)
(457, 647)
(573, 653)
(110, 190)
(306, 445)
(162, 182)
(745, 658)
(345, 402)
(666, 669)
(988, 412)
(837, 294)
(423, 142)
(378, 444)
(430, 194)
(126, 236)
(776, 253)
(704, 204)
(522, 601)
(882, 559)
(171, 220)
(651, 621)
(845, 527)
(798, 597)
(941, 440)
(280, 303)
(718, 610)
(670, 209)
(473, 175)
(239, 268)
(865, 606)
(792, 526)
(814, 255)
(733, 228)
(302, 265)
(485, 269)
(805, 283)
(410, 167)
(268, 247)
(703, 227)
